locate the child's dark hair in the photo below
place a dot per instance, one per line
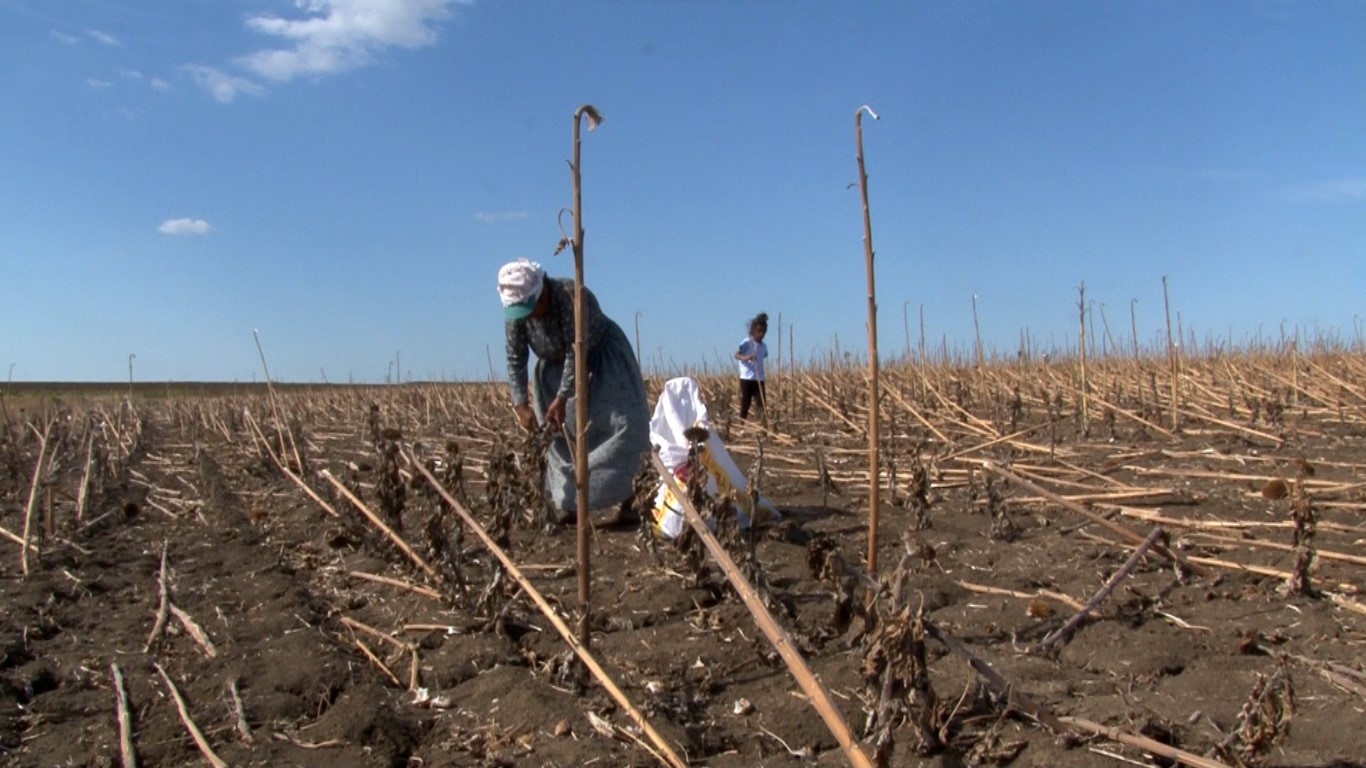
(759, 321)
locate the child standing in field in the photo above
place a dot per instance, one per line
(751, 355)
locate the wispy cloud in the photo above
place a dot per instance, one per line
(327, 37)
(64, 38)
(104, 37)
(492, 216)
(155, 83)
(339, 35)
(98, 84)
(184, 227)
(1329, 191)
(223, 86)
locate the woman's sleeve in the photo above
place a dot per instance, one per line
(518, 354)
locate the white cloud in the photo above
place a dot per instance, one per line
(223, 86)
(184, 227)
(1330, 191)
(491, 216)
(339, 35)
(64, 38)
(104, 37)
(153, 82)
(98, 84)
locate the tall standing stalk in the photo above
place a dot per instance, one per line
(778, 364)
(1081, 346)
(33, 496)
(1133, 325)
(1171, 352)
(906, 325)
(281, 427)
(1091, 322)
(977, 334)
(778, 361)
(637, 335)
(9, 382)
(1295, 369)
(581, 383)
(873, 394)
(920, 361)
(1107, 341)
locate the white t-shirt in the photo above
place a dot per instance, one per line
(752, 370)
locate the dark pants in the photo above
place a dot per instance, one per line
(750, 390)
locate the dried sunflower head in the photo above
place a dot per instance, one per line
(696, 434)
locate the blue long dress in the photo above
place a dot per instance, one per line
(619, 416)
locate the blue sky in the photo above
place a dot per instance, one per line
(345, 176)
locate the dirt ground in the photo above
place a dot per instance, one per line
(300, 661)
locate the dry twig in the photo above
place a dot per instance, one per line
(238, 709)
(126, 748)
(163, 606)
(185, 718)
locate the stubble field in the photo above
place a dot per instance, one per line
(195, 561)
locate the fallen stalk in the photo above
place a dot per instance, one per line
(1246, 432)
(83, 489)
(1340, 597)
(1187, 523)
(1067, 600)
(782, 642)
(665, 753)
(369, 654)
(385, 529)
(1063, 633)
(1010, 438)
(288, 473)
(1116, 528)
(33, 496)
(17, 539)
(399, 583)
(375, 633)
(197, 632)
(1344, 677)
(163, 605)
(1017, 698)
(241, 711)
(1258, 544)
(126, 749)
(1142, 742)
(185, 718)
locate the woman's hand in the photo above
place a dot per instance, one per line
(526, 417)
(554, 415)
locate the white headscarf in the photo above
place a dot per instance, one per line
(679, 407)
(520, 282)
